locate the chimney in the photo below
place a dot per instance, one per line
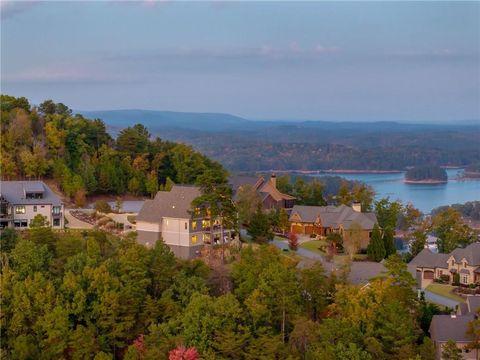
(273, 179)
(356, 206)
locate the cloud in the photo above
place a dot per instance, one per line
(9, 9)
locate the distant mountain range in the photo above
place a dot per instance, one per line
(242, 144)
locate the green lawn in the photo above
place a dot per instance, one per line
(444, 290)
(313, 246)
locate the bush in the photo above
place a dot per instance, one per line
(103, 206)
(293, 241)
(104, 220)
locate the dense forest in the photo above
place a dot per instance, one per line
(49, 142)
(426, 173)
(245, 145)
(78, 295)
(470, 210)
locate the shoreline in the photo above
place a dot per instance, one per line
(425, 182)
(336, 171)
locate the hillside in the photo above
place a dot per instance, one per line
(247, 145)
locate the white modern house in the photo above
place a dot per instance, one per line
(21, 201)
(171, 217)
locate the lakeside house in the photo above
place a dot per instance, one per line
(465, 263)
(325, 220)
(21, 201)
(271, 197)
(454, 327)
(171, 217)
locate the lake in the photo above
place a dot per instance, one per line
(424, 196)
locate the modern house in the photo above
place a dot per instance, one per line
(271, 197)
(171, 217)
(324, 220)
(464, 262)
(21, 201)
(454, 327)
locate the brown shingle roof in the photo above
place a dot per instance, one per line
(471, 253)
(426, 258)
(446, 327)
(175, 203)
(334, 216)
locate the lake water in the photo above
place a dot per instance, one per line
(424, 197)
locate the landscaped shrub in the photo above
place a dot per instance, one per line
(445, 278)
(103, 206)
(293, 241)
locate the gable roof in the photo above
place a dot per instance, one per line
(471, 253)
(14, 193)
(268, 188)
(448, 327)
(175, 203)
(426, 258)
(334, 216)
(262, 186)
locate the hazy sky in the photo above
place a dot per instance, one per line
(407, 61)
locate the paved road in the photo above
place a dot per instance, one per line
(74, 223)
(438, 299)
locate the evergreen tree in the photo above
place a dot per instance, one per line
(450, 351)
(389, 241)
(376, 248)
(260, 227)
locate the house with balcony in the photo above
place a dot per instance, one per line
(463, 263)
(186, 229)
(21, 201)
(325, 220)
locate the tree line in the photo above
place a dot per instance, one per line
(78, 295)
(48, 141)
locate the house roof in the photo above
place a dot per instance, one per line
(262, 186)
(333, 216)
(14, 193)
(175, 203)
(237, 181)
(268, 188)
(471, 253)
(428, 259)
(448, 327)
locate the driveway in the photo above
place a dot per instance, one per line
(74, 223)
(438, 299)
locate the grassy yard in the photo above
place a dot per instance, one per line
(314, 246)
(444, 290)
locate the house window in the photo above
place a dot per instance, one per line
(197, 211)
(186, 226)
(19, 209)
(453, 262)
(20, 223)
(34, 208)
(194, 225)
(465, 279)
(56, 222)
(56, 210)
(440, 272)
(205, 223)
(194, 239)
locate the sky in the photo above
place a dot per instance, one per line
(337, 61)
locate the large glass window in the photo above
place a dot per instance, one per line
(20, 223)
(194, 225)
(205, 223)
(56, 222)
(56, 209)
(34, 208)
(194, 239)
(20, 210)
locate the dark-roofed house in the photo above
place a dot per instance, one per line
(21, 201)
(464, 262)
(324, 220)
(271, 197)
(171, 217)
(454, 327)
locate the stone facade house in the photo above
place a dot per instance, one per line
(324, 220)
(21, 201)
(171, 217)
(454, 327)
(464, 262)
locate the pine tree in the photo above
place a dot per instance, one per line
(376, 248)
(389, 241)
